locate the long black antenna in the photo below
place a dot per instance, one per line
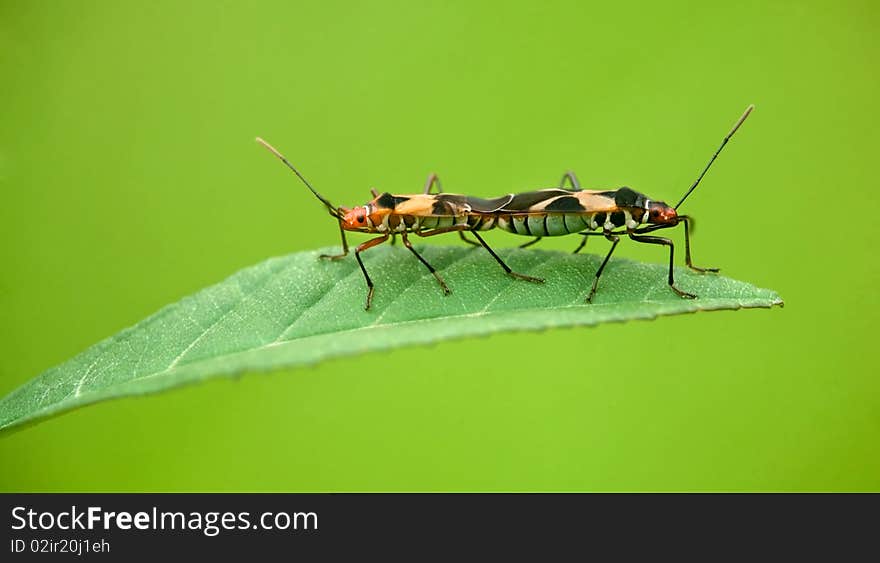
(333, 210)
(714, 156)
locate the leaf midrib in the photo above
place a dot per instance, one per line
(430, 320)
(256, 285)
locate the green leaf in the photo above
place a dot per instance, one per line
(297, 310)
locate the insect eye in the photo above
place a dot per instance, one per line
(360, 218)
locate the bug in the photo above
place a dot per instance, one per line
(606, 213)
(540, 213)
(423, 214)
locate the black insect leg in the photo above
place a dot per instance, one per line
(614, 240)
(530, 243)
(688, 225)
(429, 183)
(357, 254)
(344, 245)
(572, 179)
(687, 247)
(665, 242)
(431, 269)
(505, 266)
(584, 241)
(467, 240)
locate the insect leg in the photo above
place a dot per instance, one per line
(443, 230)
(431, 269)
(344, 245)
(530, 243)
(614, 240)
(572, 179)
(429, 183)
(467, 240)
(651, 229)
(584, 241)
(505, 266)
(664, 242)
(688, 225)
(687, 247)
(357, 254)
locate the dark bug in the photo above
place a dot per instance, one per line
(606, 213)
(423, 214)
(541, 213)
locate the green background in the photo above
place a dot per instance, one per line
(130, 179)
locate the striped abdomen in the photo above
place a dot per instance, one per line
(558, 224)
(556, 212)
(544, 225)
(398, 223)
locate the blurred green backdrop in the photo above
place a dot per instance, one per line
(130, 179)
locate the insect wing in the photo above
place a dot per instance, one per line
(561, 201)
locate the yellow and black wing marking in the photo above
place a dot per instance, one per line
(561, 201)
(441, 205)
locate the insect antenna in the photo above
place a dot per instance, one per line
(332, 208)
(714, 156)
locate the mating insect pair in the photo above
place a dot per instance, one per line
(540, 213)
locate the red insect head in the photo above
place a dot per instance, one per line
(661, 214)
(362, 217)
